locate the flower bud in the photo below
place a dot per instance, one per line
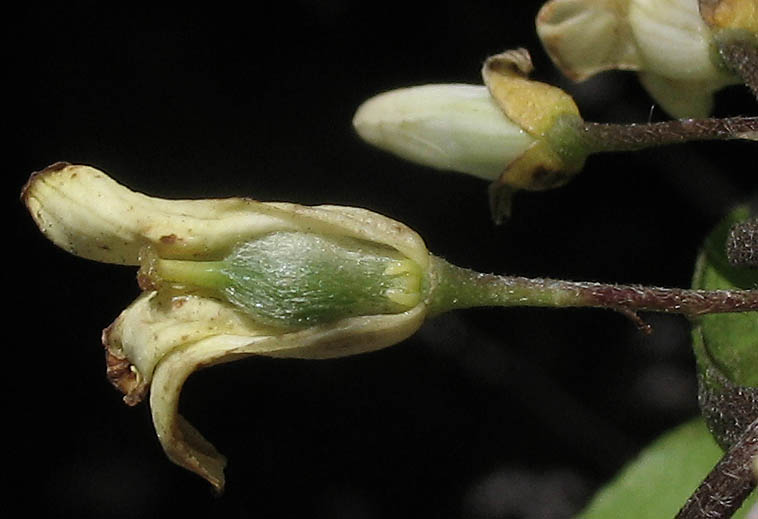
(451, 127)
(666, 41)
(519, 133)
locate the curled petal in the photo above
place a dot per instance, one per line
(532, 104)
(584, 37)
(168, 336)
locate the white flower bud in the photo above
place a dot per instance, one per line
(453, 127)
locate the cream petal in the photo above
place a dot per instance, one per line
(167, 336)
(673, 39)
(697, 103)
(584, 37)
(157, 323)
(89, 214)
(451, 127)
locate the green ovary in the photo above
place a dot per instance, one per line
(297, 279)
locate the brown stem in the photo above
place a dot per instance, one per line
(671, 300)
(629, 137)
(730, 482)
(742, 58)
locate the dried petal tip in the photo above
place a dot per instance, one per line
(121, 373)
(548, 114)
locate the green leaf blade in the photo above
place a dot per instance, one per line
(660, 480)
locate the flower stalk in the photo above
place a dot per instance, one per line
(603, 137)
(741, 57)
(458, 287)
(735, 36)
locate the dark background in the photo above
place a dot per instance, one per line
(483, 413)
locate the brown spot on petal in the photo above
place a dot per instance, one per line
(169, 239)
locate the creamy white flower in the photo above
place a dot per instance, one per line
(666, 41)
(171, 331)
(452, 127)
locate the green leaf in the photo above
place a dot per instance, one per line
(660, 480)
(731, 340)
